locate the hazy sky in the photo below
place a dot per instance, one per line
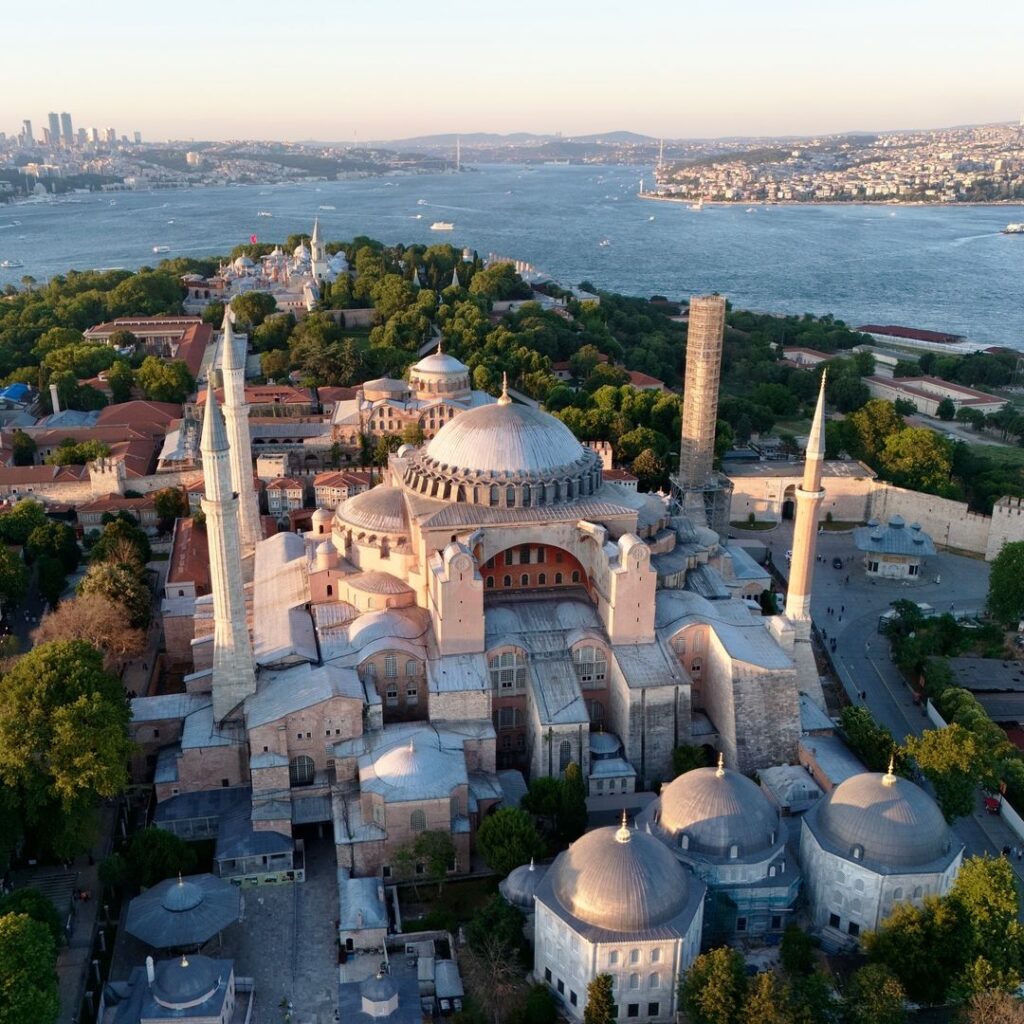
(378, 69)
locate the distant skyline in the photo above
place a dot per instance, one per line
(373, 72)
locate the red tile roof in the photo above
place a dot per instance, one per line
(914, 333)
(190, 556)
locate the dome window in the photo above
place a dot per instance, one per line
(734, 851)
(684, 841)
(858, 854)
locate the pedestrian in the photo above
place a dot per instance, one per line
(864, 695)
(1020, 853)
(847, 579)
(842, 608)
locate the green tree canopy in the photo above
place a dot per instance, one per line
(164, 380)
(68, 453)
(918, 459)
(946, 410)
(124, 585)
(713, 989)
(39, 907)
(572, 812)
(508, 838)
(17, 523)
(874, 995)
(63, 742)
(1006, 584)
(169, 503)
(13, 578)
(600, 1008)
(23, 448)
(953, 763)
(252, 308)
(121, 378)
(872, 425)
(28, 981)
(155, 854)
(122, 540)
(871, 742)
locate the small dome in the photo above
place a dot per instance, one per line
(378, 988)
(409, 761)
(185, 982)
(718, 809)
(243, 263)
(300, 252)
(440, 363)
(604, 744)
(620, 879)
(381, 509)
(183, 896)
(378, 583)
(506, 440)
(895, 823)
(520, 886)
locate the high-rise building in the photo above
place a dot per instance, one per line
(66, 131)
(54, 122)
(26, 133)
(80, 137)
(94, 135)
(701, 491)
(138, 138)
(110, 136)
(47, 137)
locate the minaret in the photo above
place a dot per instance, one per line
(809, 497)
(318, 259)
(456, 283)
(236, 418)
(234, 673)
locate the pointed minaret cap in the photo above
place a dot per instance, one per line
(622, 833)
(720, 770)
(503, 399)
(816, 439)
(889, 778)
(215, 436)
(229, 349)
(315, 236)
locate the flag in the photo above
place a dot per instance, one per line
(252, 239)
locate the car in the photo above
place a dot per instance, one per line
(837, 563)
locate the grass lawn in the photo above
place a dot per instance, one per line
(838, 525)
(796, 427)
(1012, 457)
(742, 524)
(461, 900)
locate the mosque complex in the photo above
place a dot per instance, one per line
(491, 612)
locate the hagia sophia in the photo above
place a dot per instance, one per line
(491, 612)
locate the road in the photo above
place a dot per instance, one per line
(862, 653)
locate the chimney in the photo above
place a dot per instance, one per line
(54, 399)
(150, 971)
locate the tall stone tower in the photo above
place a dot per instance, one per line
(234, 671)
(236, 418)
(793, 629)
(318, 258)
(700, 491)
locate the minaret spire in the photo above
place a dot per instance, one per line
(809, 497)
(234, 673)
(236, 417)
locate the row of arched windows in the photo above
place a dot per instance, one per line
(557, 579)
(506, 495)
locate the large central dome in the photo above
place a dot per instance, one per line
(506, 456)
(506, 439)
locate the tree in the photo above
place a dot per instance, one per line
(600, 1008)
(945, 410)
(169, 503)
(121, 379)
(63, 742)
(508, 838)
(98, 620)
(123, 585)
(953, 763)
(797, 951)
(572, 813)
(687, 757)
(994, 1008)
(164, 381)
(713, 989)
(871, 742)
(384, 447)
(648, 469)
(493, 956)
(122, 541)
(874, 995)
(413, 434)
(23, 448)
(155, 854)
(918, 459)
(68, 453)
(37, 906)
(766, 1002)
(872, 425)
(252, 308)
(18, 523)
(1006, 584)
(13, 578)
(56, 540)
(539, 1006)
(28, 981)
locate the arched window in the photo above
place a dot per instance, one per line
(591, 665)
(654, 980)
(390, 666)
(494, 494)
(510, 497)
(542, 579)
(564, 755)
(371, 670)
(634, 981)
(575, 576)
(330, 590)
(301, 770)
(524, 580)
(734, 852)
(507, 581)
(490, 581)
(417, 821)
(897, 893)
(411, 667)
(558, 579)
(508, 671)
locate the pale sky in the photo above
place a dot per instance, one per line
(379, 69)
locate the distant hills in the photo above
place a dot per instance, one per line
(490, 139)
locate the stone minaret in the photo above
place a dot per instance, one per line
(234, 673)
(318, 258)
(700, 390)
(236, 418)
(809, 497)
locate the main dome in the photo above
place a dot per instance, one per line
(620, 880)
(718, 811)
(439, 362)
(894, 822)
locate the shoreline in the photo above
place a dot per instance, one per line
(822, 202)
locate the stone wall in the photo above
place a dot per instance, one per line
(948, 523)
(1007, 525)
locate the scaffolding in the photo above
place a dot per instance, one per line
(710, 504)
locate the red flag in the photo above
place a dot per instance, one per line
(252, 239)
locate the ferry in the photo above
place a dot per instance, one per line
(264, 213)
(421, 202)
(442, 225)
(327, 206)
(1014, 229)
(11, 264)
(161, 248)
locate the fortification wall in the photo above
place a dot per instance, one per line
(948, 523)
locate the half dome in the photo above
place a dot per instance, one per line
(381, 509)
(717, 809)
(892, 821)
(620, 880)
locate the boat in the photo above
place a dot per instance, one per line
(604, 242)
(161, 248)
(327, 206)
(421, 202)
(171, 221)
(113, 202)
(264, 213)
(1014, 229)
(650, 218)
(11, 264)
(699, 205)
(417, 216)
(442, 225)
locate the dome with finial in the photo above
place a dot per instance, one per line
(520, 887)
(182, 984)
(620, 879)
(718, 811)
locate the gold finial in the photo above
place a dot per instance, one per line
(180, 882)
(440, 345)
(622, 835)
(531, 863)
(504, 399)
(889, 778)
(720, 770)
(184, 962)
